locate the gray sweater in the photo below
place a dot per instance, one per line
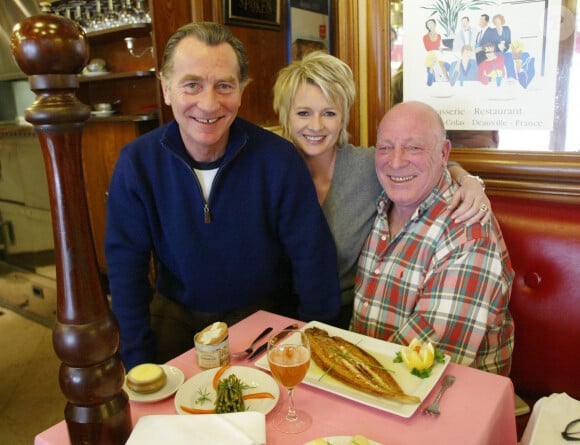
(350, 209)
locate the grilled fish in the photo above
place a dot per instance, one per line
(354, 366)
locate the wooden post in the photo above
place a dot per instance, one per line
(52, 51)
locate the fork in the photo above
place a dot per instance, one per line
(434, 407)
(250, 348)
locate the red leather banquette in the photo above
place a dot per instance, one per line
(543, 240)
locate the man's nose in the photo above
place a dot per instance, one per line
(398, 157)
(208, 99)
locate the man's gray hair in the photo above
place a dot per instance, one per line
(211, 34)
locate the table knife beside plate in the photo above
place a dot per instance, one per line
(275, 338)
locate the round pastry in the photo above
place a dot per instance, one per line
(146, 378)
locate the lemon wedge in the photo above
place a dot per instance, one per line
(417, 355)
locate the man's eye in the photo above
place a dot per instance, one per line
(192, 86)
(384, 148)
(225, 87)
(412, 148)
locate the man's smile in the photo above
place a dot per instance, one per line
(401, 179)
(206, 121)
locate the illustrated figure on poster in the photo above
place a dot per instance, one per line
(465, 35)
(431, 40)
(503, 38)
(523, 63)
(484, 36)
(465, 68)
(502, 32)
(437, 71)
(492, 69)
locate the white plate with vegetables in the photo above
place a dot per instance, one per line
(198, 395)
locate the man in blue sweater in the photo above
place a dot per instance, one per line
(226, 209)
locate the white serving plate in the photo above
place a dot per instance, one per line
(384, 352)
(258, 380)
(175, 378)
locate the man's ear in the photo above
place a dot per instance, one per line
(165, 89)
(445, 151)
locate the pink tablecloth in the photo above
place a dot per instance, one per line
(477, 410)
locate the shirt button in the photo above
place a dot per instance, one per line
(377, 271)
(366, 304)
(383, 237)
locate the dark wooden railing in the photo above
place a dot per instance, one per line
(52, 50)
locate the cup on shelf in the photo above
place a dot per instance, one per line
(97, 65)
(103, 106)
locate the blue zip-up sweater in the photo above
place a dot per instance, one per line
(221, 254)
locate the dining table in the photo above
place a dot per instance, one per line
(477, 410)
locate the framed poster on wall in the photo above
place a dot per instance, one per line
(308, 27)
(486, 65)
(255, 14)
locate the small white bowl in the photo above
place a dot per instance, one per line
(96, 65)
(103, 107)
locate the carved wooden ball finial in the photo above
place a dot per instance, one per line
(49, 44)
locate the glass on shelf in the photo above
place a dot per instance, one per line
(98, 21)
(63, 11)
(128, 14)
(112, 17)
(83, 20)
(142, 14)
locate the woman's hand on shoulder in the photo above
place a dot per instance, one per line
(470, 204)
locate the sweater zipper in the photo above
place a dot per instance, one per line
(206, 210)
(206, 213)
(207, 218)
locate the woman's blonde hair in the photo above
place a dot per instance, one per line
(330, 74)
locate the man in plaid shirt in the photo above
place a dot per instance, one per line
(420, 273)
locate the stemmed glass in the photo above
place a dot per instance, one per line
(112, 18)
(98, 18)
(128, 14)
(83, 22)
(141, 14)
(289, 361)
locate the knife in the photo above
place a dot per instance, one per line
(275, 339)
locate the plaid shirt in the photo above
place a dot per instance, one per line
(440, 281)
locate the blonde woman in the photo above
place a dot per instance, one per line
(313, 97)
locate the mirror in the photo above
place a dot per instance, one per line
(565, 132)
